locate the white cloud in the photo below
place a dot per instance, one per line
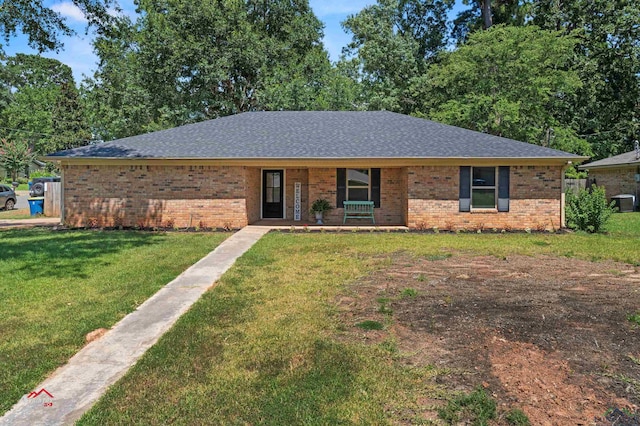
(77, 54)
(70, 11)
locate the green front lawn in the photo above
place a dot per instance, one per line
(55, 287)
(21, 187)
(265, 345)
(15, 214)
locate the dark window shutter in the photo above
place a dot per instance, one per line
(341, 190)
(465, 189)
(503, 189)
(375, 187)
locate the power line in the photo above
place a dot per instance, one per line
(26, 131)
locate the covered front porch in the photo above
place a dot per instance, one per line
(283, 196)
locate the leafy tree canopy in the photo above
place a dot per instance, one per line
(15, 156)
(43, 26)
(185, 61)
(42, 106)
(393, 42)
(607, 57)
(510, 82)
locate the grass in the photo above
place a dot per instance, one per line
(370, 325)
(21, 187)
(261, 348)
(475, 408)
(57, 286)
(517, 417)
(624, 224)
(15, 214)
(265, 345)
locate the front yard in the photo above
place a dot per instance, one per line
(15, 214)
(402, 329)
(57, 286)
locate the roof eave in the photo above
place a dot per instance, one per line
(322, 162)
(609, 166)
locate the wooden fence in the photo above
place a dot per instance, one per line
(575, 185)
(52, 199)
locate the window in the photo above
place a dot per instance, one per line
(484, 188)
(358, 185)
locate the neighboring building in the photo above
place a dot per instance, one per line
(619, 174)
(257, 166)
(34, 166)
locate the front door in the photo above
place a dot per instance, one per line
(272, 194)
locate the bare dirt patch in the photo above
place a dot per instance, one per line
(547, 335)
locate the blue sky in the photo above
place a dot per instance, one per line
(78, 51)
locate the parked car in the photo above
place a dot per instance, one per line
(37, 185)
(8, 197)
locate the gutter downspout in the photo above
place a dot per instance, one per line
(62, 221)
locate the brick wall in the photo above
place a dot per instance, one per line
(254, 193)
(217, 196)
(535, 200)
(617, 181)
(156, 195)
(322, 184)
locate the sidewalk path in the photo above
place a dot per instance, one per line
(28, 223)
(77, 385)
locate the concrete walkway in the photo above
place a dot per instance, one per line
(76, 386)
(29, 223)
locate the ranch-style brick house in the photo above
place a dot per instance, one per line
(619, 174)
(259, 167)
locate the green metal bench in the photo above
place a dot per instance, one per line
(358, 210)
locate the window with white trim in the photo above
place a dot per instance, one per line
(484, 190)
(358, 185)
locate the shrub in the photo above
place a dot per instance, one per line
(573, 173)
(41, 173)
(588, 211)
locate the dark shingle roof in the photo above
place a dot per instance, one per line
(626, 159)
(313, 135)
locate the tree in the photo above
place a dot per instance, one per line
(394, 41)
(507, 81)
(482, 14)
(43, 26)
(42, 105)
(607, 57)
(15, 156)
(70, 127)
(184, 61)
